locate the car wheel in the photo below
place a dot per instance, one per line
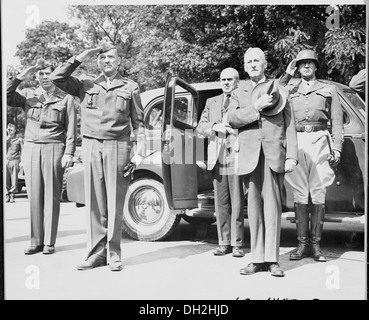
(146, 213)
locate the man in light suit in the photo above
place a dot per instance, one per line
(228, 188)
(267, 148)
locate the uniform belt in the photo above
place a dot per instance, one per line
(310, 127)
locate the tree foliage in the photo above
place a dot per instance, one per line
(195, 42)
(51, 40)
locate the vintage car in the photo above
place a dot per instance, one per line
(172, 182)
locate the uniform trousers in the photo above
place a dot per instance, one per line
(44, 179)
(229, 201)
(264, 211)
(12, 170)
(313, 174)
(105, 191)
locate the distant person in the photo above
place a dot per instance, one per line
(358, 83)
(267, 150)
(14, 146)
(228, 189)
(316, 105)
(110, 106)
(49, 145)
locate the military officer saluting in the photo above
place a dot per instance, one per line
(110, 106)
(316, 106)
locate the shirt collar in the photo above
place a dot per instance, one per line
(308, 83)
(48, 93)
(263, 79)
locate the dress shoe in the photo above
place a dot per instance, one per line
(237, 252)
(93, 261)
(275, 270)
(222, 250)
(33, 249)
(48, 250)
(115, 265)
(11, 199)
(7, 198)
(252, 268)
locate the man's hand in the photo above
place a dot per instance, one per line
(263, 102)
(290, 165)
(291, 68)
(88, 54)
(137, 159)
(223, 128)
(30, 71)
(67, 161)
(334, 159)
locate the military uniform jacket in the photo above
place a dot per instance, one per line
(48, 120)
(320, 104)
(14, 148)
(275, 134)
(107, 113)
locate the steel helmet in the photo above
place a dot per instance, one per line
(307, 54)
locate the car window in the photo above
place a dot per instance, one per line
(355, 100)
(182, 111)
(155, 117)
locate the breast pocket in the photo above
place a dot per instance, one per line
(57, 113)
(324, 98)
(123, 100)
(34, 111)
(91, 98)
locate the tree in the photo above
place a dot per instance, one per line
(51, 40)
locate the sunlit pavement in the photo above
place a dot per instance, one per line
(179, 268)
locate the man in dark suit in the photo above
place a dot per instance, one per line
(228, 189)
(267, 148)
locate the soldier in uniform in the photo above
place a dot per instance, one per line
(49, 145)
(14, 146)
(316, 105)
(110, 105)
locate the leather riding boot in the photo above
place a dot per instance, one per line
(316, 228)
(302, 225)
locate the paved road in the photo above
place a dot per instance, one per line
(180, 268)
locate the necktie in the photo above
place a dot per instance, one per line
(226, 103)
(225, 109)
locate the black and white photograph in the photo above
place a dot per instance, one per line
(196, 153)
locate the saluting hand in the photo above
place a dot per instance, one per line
(291, 68)
(88, 54)
(28, 72)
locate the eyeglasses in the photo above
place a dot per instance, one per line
(227, 79)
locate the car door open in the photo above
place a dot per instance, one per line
(179, 144)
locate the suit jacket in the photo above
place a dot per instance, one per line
(275, 134)
(211, 115)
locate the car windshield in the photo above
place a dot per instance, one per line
(355, 100)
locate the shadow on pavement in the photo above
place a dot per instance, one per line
(60, 234)
(179, 252)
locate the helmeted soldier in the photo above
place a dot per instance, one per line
(316, 106)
